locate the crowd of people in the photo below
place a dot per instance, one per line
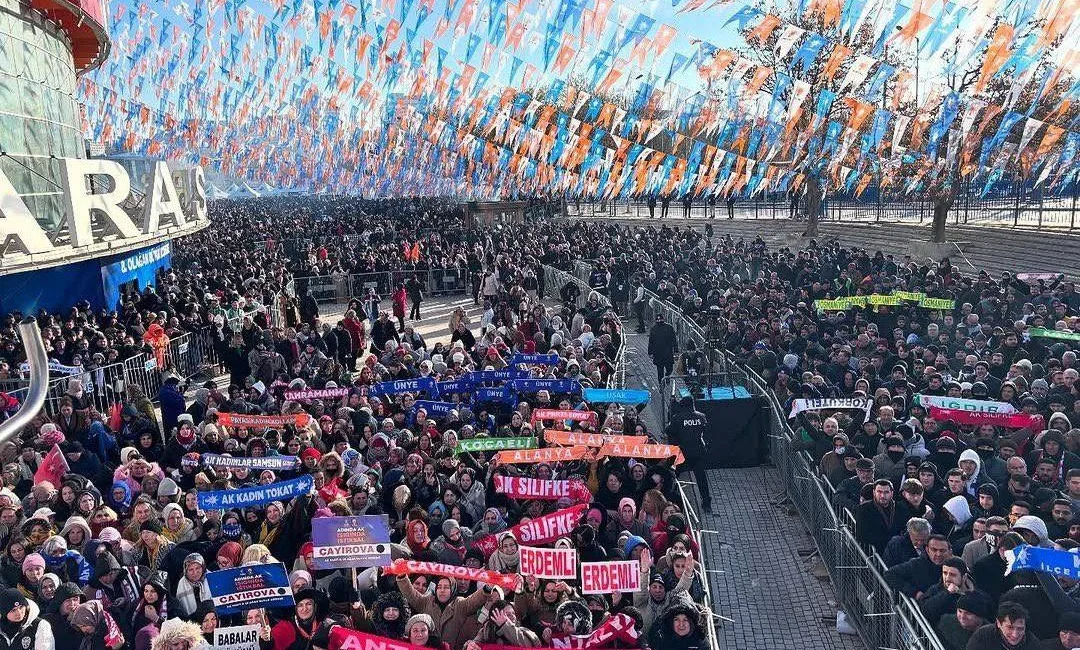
(106, 543)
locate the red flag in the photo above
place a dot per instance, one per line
(53, 467)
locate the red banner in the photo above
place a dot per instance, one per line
(542, 530)
(262, 421)
(520, 487)
(508, 581)
(53, 468)
(545, 455)
(1007, 420)
(609, 577)
(568, 438)
(548, 563)
(619, 627)
(617, 450)
(561, 414)
(343, 638)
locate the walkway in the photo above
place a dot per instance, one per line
(765, 594)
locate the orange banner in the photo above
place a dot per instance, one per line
(545, 455)
(643, 451)
(262, 421)
(597, 440)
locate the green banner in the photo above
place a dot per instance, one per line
(938, 303)
(832, 305)
(878, 299)
(495, 444)
(1043, 333)
(909, 295)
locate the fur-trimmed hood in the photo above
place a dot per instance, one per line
(175, 629)
(395, 629)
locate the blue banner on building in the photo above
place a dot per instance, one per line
(250, 587)
(141, 266)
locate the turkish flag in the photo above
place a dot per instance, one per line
(53, 467)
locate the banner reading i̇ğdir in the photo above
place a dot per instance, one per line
(359, 541)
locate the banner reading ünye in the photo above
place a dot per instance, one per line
(262, 421)
(548, 563)
(545, 455)
(609, 577)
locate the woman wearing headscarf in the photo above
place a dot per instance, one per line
(389, 615)
(178, 529)
(76, 532)
(491, 523)
(98, 627)
(295, 632)
(506, 557)
(144, 618)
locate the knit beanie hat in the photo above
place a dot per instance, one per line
(33, 560)
(10, 599)
(419, 618)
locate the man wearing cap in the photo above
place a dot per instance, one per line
(687, 430)
(847, 492)
(1068, 636)
(973, 610)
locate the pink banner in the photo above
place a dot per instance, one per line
(542, 530)
(508, 581)
(520, 487)
(1007, 420)
(262, 421)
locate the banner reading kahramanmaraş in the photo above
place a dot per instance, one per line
(253, 496)
(251, 586)
(308, 394)
(357, 541)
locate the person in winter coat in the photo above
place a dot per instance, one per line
(389, 615)
(419, 633)
(295, 633)
(447, 610)
(71, 566)
(21, 628)
(914, 577)
(501, 628)
(537, 605)
(663, 344)
(172, 402)
(68, 597)
(192, 589)
(680, 627)
(656, 592)
(98, 627)
(176, 634)
(399, 300)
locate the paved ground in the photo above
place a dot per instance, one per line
(764, 594)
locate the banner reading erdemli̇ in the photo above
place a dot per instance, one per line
(609, 577)
(250, 587)
(548, 563)
(253, 496)
(831, 404)
(357, 541)
(259, 463)
(521, 487)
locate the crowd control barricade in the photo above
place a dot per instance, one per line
(882, 617)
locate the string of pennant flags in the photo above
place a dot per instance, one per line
(593, 98)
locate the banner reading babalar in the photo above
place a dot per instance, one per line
(609, 577)
(250, 587)
(357, 541)
(238, 637)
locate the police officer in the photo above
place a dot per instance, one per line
(687, 430)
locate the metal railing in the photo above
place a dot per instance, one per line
(882, 617)
(341, 288)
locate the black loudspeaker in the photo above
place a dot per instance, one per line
(738, 431)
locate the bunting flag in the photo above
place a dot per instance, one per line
(473, 99)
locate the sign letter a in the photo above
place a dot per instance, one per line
(16, 221)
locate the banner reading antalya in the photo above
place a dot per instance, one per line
(359, 541)
(253, 496)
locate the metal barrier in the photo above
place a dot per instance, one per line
(341, 288)
(882, 617)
